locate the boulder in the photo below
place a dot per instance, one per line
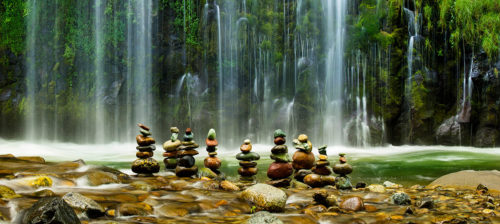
(470, 179)
(50, 210)
(401, 198)
(265, 197)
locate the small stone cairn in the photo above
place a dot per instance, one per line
(170, 148)
(185, 154)
(145, 164)
(343, 182)
(248, 166)
(212, 162)
(321, 172)
(303, 158)
(281, 169)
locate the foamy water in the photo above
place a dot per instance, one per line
(125, 152)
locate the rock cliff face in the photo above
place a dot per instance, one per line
(405, 79)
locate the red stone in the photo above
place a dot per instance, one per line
(279, 140)
(211, 143)
(188, 130)
(143, 126)
(303, 160)
(342, 159)
(170, 154)
(144, 141)
(212, 163)
(279, 170)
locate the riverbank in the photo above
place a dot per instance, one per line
(165, 198)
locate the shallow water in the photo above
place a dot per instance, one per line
(405, 165)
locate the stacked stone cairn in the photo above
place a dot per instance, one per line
(280, 170)
(170, 148)
(145, 164)
(303, 158)
(321, 172)
(185, 154)
(342, 182)
(248, 166)
(212, 162)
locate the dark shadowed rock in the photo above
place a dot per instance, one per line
(50, 210)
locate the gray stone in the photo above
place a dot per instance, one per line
(87, 205)
(401, 198)
(263, 217)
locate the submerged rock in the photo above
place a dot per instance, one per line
(7, 193)
(263, 217)
(128, 209)
(352, 204)
(265, 197)
(401, 198)
(50, 210)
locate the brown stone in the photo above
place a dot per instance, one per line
(323, 157)
(247, 172)
(144, 141)
(322, 163)
(246, 147)
(279, 170)
(315, 180)
(228, 186)
(186, 171)
(303, 160)
(280, 182)
(322, 170)
(143, 126)
(352, 204)
(170, 154)
(144, 155)
(211, 143)
(279, 140)
(212, 163)
(128, 209)
(190, 152)
(248, 164)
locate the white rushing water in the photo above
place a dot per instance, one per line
(120, 152)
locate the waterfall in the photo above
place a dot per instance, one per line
(100, 85)
(334, 84)
(31, 120)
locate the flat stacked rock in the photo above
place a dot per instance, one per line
(185, 154)
(248, 168)
(145, 164)
(170, 148)
(342, 182)
(321, 172)
(303, 158)
(280, 170)
(212, 162)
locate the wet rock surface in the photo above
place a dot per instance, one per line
(165, 198)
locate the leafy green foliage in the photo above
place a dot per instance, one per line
(475, 22)
(12, 27)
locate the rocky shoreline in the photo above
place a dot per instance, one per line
(33, 190)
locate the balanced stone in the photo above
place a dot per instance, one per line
(212, 154)
(189, 152)
(143, 126)
(144, 141)
(248, 156)
(170, 163)
(145, 132)
(323, 170)
(279, 149)
(303, 160)
(245, 164)
(281, 157)
(148, 148)
(170, 145)
(186, 171)
(316, 180)
(186, 161)
(279, 141)
(247, 171)
(246, 146)
(279, 133)
(144, 155)
(171, 148)
(212, 163)
(145, 166)
(170, 154)
(279, 170)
